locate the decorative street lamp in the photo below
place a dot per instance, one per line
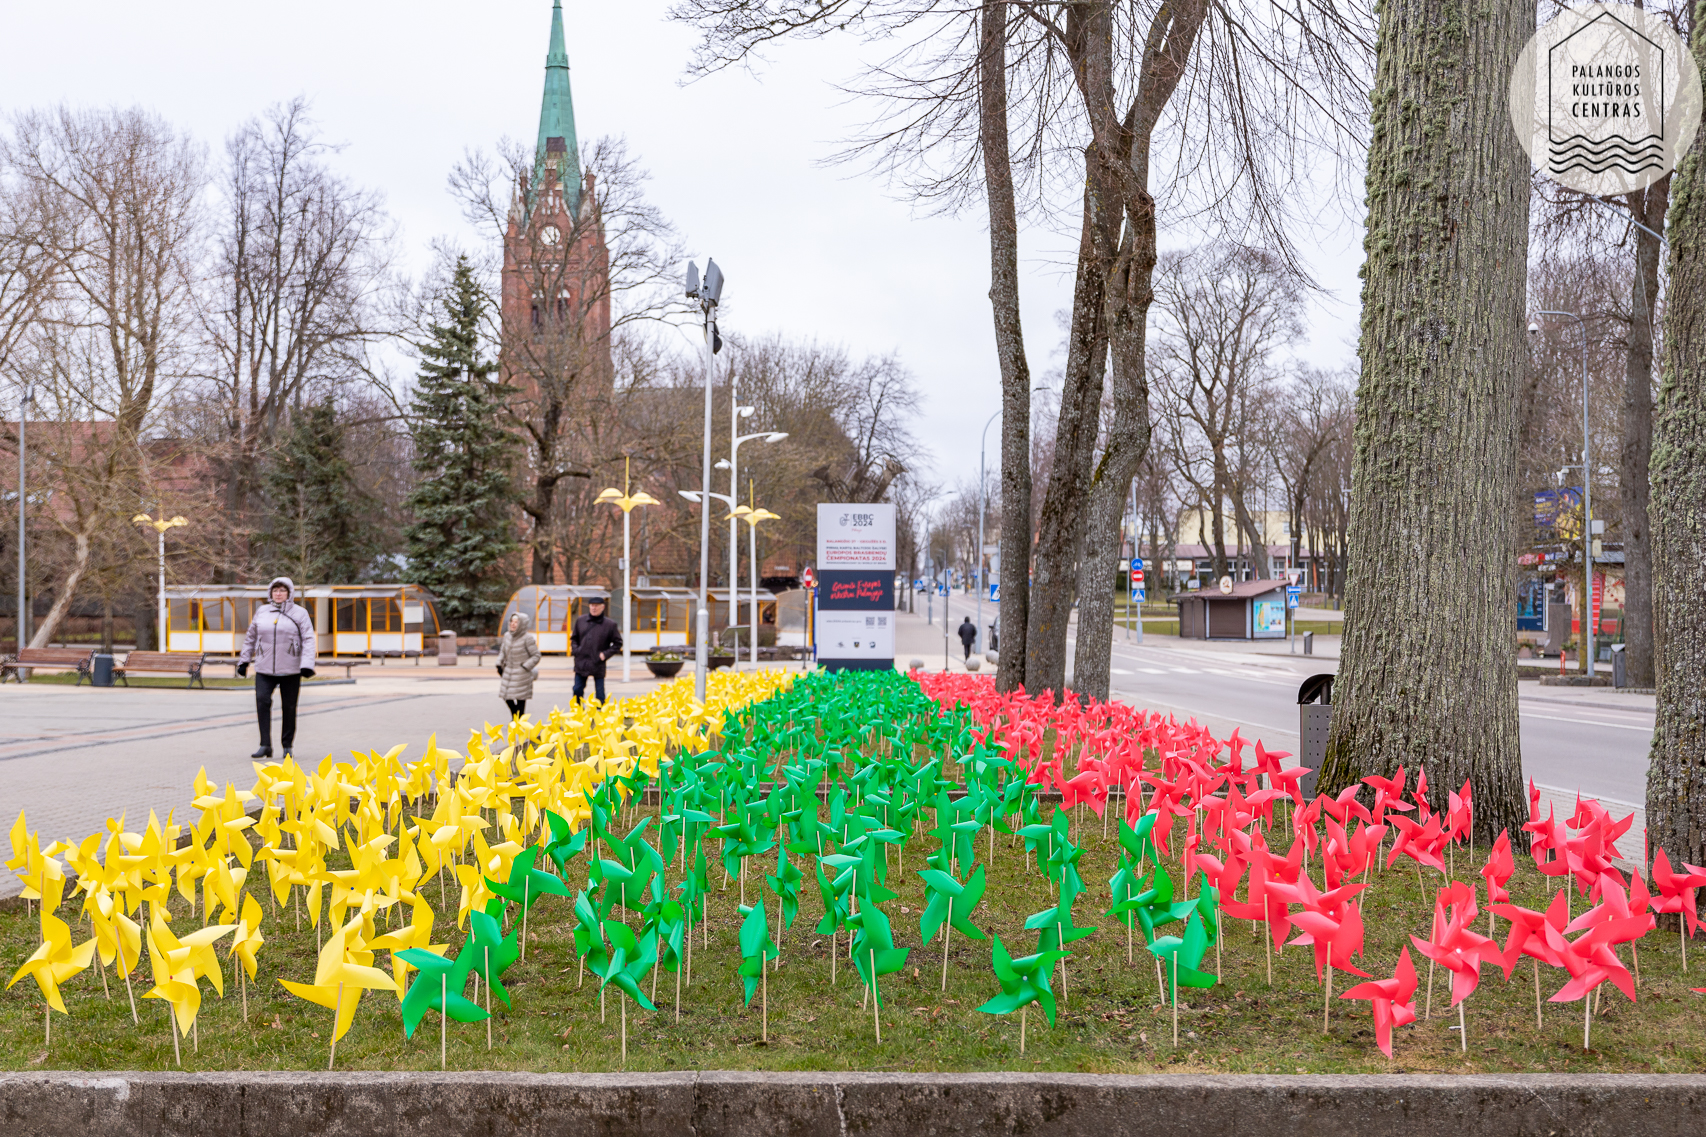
(1587, 493)
(706, 294)
(160, 528)
(731, 464)
(752, 515)
(625, 500)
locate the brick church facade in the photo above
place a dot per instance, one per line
(556, 270)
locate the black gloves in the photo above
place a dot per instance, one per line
(242, 671)
(307, 673)
(500, 670)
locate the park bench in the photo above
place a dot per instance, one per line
(78, 659)
(187, 663)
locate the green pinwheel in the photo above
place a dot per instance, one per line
(564, 844)
(1023, 982)
(1153, 905)
(432, 990)
(589, 936)
(630, 957)
(786, 886)
(525, 885)
(949, 905)
(756, 947)
(1181, 956)
(487, 952)
(874, 953)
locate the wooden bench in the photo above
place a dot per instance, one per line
(187, 663)
(78, 659)
(346, 664)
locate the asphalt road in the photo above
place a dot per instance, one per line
(1592, 741)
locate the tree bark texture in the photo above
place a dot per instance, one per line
(1428, 673)
(1122, 149)
(1009, 347)
(1676, 770)
(1060, 530)
(1648, 207)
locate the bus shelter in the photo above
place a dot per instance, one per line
(349, 619)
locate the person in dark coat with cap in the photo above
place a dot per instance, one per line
(593, 640)
(968, 636)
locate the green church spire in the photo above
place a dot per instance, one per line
(557, 143)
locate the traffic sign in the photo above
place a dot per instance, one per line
(1137, 565)
(1138, 594)
(995, 593)
(1293, 595)
(807, 579)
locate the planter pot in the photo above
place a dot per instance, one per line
(665, 669)
(721, 660)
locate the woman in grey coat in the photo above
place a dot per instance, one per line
(280, 644)
(518, 665)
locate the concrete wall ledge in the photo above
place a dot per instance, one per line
(739, 1104)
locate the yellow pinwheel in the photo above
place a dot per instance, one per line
(343, 973)
(55, 960)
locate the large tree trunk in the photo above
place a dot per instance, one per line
(1428, 672)
(1648, 208)
(1015, 540)
(1676, 770)
(67, 591)
(1130, 294)
(1060, 531)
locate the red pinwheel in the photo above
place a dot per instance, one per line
(1457, 949)
(1528, 938)
(1421, 841)
(1676, 894)
(1496, 872)
(1331, 923)
(1393, 1000)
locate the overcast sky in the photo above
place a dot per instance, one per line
(737, 160)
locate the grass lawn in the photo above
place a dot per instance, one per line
(1111, 1020)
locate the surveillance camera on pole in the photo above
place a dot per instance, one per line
(707, 292)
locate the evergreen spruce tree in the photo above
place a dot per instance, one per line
(462, 503)
(317, 525)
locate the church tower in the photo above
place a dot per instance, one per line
(556, 274)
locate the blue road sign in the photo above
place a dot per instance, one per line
(995, 594)
(1293, 595)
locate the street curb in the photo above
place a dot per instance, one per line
(740, 1104)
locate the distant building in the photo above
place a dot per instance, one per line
(556, 270)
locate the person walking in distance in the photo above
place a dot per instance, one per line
(968, 636)
(518, 665)
(280, 646)
(595, 638)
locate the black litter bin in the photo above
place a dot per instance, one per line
(1619, 666)
(1315, 718)
(101, 675)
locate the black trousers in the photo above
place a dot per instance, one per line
(597, 686)
(517, 707)
(288, 687)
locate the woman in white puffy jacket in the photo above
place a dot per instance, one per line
(280, 646)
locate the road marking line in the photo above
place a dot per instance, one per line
(1588, 722)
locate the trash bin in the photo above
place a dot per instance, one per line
(1315, 718)
(447, 649)
(1308, 643)
(101, 675)
(1619, 666)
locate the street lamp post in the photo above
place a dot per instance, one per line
(23, 410)
(160, 528)
(732, 465)
(707, 294)
(704, 498)
(1587, 494)
(625, 500)
(752, 515)
(982, 577)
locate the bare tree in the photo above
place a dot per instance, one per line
(297, 298)
(1098, 87)
(1314, 413)
(117, 194)
(1223, 313)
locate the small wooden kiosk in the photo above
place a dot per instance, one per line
(1250, 610)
